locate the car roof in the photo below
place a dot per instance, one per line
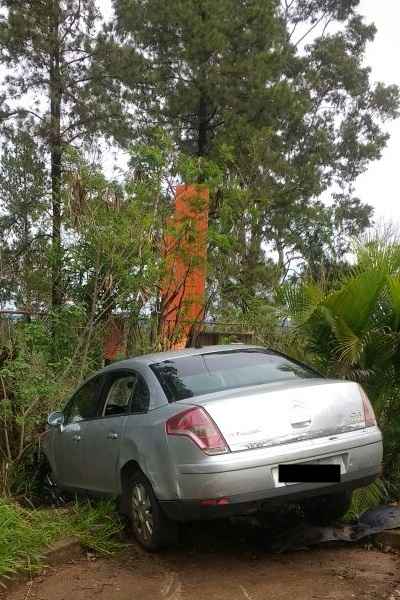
(148, 359)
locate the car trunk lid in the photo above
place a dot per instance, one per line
(284, 412)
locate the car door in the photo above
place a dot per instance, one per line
(126, 394)
(70, 459)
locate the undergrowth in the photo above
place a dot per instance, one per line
(25, 534)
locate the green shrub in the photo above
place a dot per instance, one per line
(36, 377)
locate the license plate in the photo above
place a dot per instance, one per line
(323, 470)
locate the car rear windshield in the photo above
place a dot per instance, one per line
(207, 373)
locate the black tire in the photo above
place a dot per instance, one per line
(151, 527)
(324, 510)
(50, 493)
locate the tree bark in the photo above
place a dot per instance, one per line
(27, 267)
(202, 114)
(56, 157)
(202, 127)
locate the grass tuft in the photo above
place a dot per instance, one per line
(98, 526)
(25, 534)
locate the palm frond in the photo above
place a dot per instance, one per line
(380, 251)
(394, 291)
(367, 498)
(300, 301)
(357, 299)
(349, 349)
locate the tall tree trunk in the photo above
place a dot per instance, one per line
(27, 296)
(202, 138)
(251, 259)
(202, 113)
(281, 254)
(56, 156)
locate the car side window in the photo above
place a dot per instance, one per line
(119, 395)
(127, 393)
(86, 403)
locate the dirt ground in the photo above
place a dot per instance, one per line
(221, 562)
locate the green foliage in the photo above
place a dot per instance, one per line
(367, 498)
(97, 525)
(30, 387)
(350, 329)
(253, 99)
(283, 111)
(48, 52)
(114, 261)
(197, 67)
(23, 202)
(25, 534)
(49, 49)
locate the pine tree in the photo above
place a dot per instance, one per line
(49, 47)
(276, 92)
(206, 63)
(23, 207)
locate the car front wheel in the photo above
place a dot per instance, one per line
(151, 527)
(324, 510)
(50, 493)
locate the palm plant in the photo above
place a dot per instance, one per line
(352, 330)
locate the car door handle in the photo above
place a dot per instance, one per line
(76, 438)
(112, 436)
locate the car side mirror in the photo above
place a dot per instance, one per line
(55, 419)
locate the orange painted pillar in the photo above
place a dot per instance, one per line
(183, 289)
(113, 344)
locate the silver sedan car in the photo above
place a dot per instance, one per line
(213, 432)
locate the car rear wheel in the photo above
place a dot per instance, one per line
(327, 509)
(151, 527)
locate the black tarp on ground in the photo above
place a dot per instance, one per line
(300, 534)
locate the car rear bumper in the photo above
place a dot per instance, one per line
(247, 480)
(246, 504)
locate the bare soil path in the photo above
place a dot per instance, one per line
(221, 562)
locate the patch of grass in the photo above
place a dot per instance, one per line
(25, 534)
(97, 525)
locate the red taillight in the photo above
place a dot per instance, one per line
(215, 502)
(369, 415)
(197, 424)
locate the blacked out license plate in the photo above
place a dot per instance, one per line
(309, 473)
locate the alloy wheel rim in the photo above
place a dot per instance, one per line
(142, 512)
